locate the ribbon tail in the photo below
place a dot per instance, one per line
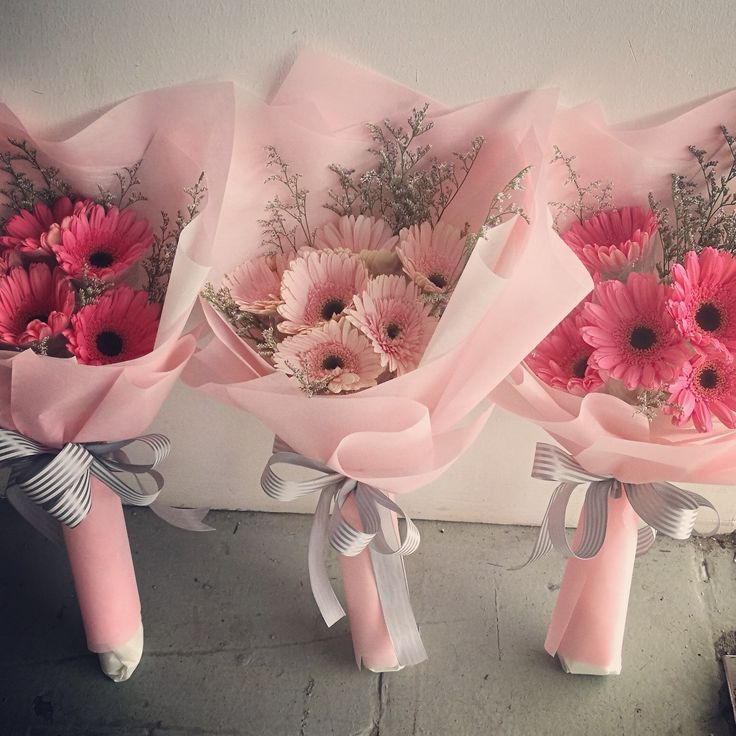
(322, 591)
(39, 519)
(393, 590)
(191, 520)
(645, 540)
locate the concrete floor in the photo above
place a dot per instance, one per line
(235, 645)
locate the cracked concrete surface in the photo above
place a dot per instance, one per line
(235, 646)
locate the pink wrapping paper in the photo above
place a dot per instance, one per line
(404, 433)
(178, 133)
(588, 623)
(104, 577)
(603, 433)
(371, 639)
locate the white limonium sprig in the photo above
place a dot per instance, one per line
(591, 198)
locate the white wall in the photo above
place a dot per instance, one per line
(63, 60)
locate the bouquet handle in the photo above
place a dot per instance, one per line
(104, 579)
(589, 619)
(371, 641)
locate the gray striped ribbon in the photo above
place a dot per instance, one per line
(662, 507)
(56, 481)
(378, 535)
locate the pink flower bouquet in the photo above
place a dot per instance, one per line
(95, 291)
(638, 382)
(368, 313)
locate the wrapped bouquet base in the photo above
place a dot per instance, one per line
(588, 623)
(371, 641)
(360, 523)
(589, 620)
(120, 663)
(104, 578)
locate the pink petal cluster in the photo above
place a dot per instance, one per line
(634, 337)
(102, 243)
(432, 257)
(256, 284)
(319, 286)
(35, 303)
(614, 242)
(705, 388)
(562, 359)
(398, 323)
(334, 350)
(121, 325)
(367, 237)
(703, 299)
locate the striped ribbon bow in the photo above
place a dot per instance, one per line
(379, 535)
(58, 480)
(662, 507)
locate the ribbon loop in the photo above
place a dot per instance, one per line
(57, 480)
(662, 507)
(378, 534)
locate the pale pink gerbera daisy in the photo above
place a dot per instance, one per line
(35, 303)
(30, 231)
(256, 284)
(391, 313)
(615, 242)
(121, 325)
(102, 243)
(334, 350)
(318, 286)
(703, 299)
(634, 336)
(562, 358)
(371, 239)
(432, 257)
(706, 387)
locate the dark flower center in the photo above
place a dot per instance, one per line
(708, 317)
(109, 343)
(708, 378)
(41, 317)
(333, 361)
(392, 330)
(100, 259)
(438, 280)
(578, 370)
(642, 338)
(332, 307)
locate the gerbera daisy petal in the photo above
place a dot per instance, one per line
(562, 359)
(102, 243)
(121, 325)
(35, 303)
(392, 315)
(705, 388)
(432, 257)
(703, 299)
(634, 337)
(614, 242)
(333, 351)
(256, 284)
(319, 286)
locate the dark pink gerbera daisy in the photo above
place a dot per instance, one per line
(562, 358)
(32, 231)
(615, 242)
(706, 388)
(35, 303)
(634, 336)
(121, 325)
(703, 299)
(102, 243)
